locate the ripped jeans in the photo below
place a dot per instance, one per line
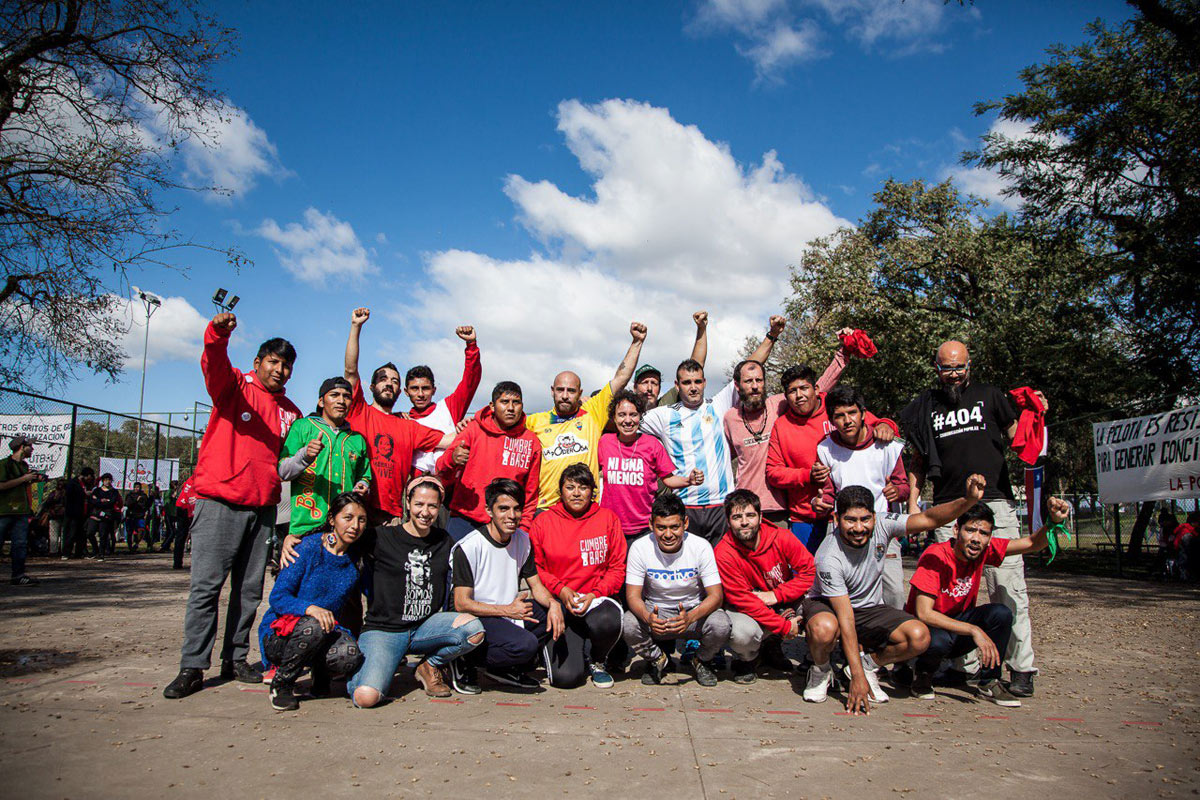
(436, 637)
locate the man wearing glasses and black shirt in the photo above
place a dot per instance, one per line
(961, 427)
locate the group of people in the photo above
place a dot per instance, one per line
(617, 524)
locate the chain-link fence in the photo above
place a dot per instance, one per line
(157, 448)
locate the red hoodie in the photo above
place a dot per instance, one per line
(495, 453)
(779, 563)
(239, 455)
(586, 553)
(792, 452)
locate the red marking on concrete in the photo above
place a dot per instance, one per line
(985, 716)
(151, 685)
(649, 709)
(778, 711)
(522, 705)
(1131, 722)
(1063, 719)
(90, 683)
(715, 710)
(923, 716)
(443, 700)
(581, 708)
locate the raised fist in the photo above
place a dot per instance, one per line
(777, 323)
(360, 315)
(638, 331)
(975, 486)
(1059, 510)
(465, 332)
(461, 453)
(701, 319)
(225, 321)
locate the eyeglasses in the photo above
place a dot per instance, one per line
(953, 369)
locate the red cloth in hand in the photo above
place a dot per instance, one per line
(857, 343)
(285, 624)
(1031, 426)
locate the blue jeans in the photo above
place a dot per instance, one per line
(436, 638)
(16, 528)
(995, 619)
(810, 534)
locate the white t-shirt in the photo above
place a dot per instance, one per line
(856, 571)
(671, 579)
(695, 439)
(870, 466)
(439, 419)
(493, 571)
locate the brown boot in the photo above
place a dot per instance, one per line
(433, 679)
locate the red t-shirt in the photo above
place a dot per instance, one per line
(954, 584)
(391, 442)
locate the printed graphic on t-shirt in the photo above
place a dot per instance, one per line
(955, 421)
(681, 574)
(774, 576)
(960, 588)
(567, 444)
(621, 471)
(517, 453)
(594, 551)
(418, 591)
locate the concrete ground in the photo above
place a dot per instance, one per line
(84, 657)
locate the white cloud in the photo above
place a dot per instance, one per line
(176, 331)
(672, 224)
(985, 183)
(231, 155)
(320, 247)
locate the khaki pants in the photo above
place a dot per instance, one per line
(1005, 584)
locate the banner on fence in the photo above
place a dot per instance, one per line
(51, 435)
(1156, 457)
(126, 471)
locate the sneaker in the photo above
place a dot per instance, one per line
(269, 675)
(772, 657)
(24, 580)
(994, 690)
(922, 686)
(816, 690)
(1021, 684)
(283, 697)
(601, 679)
(743, 671)
(656, 670)
(188, 681)
(512, 677)
(464, 678)
(432, 679)
(878, 695)
(240, 671)
(64, 558)
(902, 675)
(704, 671)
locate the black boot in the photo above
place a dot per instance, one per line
(188, 681)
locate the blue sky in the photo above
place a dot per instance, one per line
(550, 171)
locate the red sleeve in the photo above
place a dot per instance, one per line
(358, 403)
(804, 569)
(537, 534)
(828, 492)
(899, 478)
(424, 438)
(740, 596)
(219, 375)
(459, 400)
(531, 484)
(778, 473)
(833, 372)
(997, 549)
(928, 577)
(873, 420)
(614, 570)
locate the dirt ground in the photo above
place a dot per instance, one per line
(84, 657)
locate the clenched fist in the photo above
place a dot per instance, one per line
(638, 331)
(465, 332)
(975, 486)
(225, 321)
(777, 323)
(359, 315)
(701, 319)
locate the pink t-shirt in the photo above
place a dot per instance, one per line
(630, 473)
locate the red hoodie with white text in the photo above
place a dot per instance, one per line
(779, 564)
(495, 452)
(586, 552)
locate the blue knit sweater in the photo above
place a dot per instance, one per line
(316, 578)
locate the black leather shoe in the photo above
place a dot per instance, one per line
(188, 681)
(240, 671)
(1021, 684)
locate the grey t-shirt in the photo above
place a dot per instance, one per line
(856, 571)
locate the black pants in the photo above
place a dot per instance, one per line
(597, 630)
(73, 536)
(99, 533)
(510, 646)
(182, 523)
(334, 654)
(995, 619)
(168, 533)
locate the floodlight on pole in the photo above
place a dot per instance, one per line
(152, 304)
(223, 305)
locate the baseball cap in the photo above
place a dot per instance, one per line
(644, 370)
(329, 384)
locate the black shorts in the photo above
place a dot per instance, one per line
(873, 624)
(707, 522)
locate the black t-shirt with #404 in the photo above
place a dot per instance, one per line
(407, 576)
(971, 438)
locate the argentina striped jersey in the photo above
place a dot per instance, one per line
(695, 439)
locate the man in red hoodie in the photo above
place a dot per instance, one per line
(496, 444)
(765, 572)
(792, 454)
(236, 483)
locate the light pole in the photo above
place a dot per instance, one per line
(151, 303)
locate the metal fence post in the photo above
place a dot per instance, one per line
(157, 439)
(71, 442)
(1117, 528)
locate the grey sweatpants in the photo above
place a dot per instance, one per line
(1005, 584)
(712, 631)
(228, 541)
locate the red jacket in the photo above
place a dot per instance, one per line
(495, 453)
(792, 452)
(187, 499)
(239, 455)
(586, 553)
(779, 563)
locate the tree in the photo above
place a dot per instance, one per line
(1112, 163)
(95, 97)
(926, 265)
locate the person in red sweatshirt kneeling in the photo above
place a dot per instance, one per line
(496, 444)
(766, 573)
(579, 550)
(237, 488)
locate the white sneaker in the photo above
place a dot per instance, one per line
(816, 690)
(878, 695)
